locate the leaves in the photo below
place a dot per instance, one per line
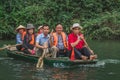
(96, 16)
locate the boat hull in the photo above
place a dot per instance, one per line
(53, 62)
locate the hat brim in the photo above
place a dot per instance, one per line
(30, 28)
(19, 29)
(40, 27)
(77, 27)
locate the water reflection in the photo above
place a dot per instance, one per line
(26, 71)
(64, 74)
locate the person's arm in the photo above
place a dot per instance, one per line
(18, 39)
(37, 42)
(51, 39)
(73, 44)
(39, 46)
(25, 43)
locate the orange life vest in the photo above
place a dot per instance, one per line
(55, 41)
(32, 42)
(23, 35)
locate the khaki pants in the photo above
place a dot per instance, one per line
(53, 50)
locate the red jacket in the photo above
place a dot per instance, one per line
(72, 38)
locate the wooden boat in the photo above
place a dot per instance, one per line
(53, 62)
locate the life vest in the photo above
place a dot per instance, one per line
(23, 34)
(55, 41)
(32, 42)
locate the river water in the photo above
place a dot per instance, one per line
(107, 68)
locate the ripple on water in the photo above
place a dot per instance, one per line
(100, 63)
(5, 58)
(111, 61)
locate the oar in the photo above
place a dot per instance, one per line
(8, 46)
(40, 60)
(88, 46)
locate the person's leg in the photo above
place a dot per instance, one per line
(26, 51)
(54, 51)
(61, 53)
(19, 47)
(85, 52)
(39, 52)
(69, 53)
(77, 53)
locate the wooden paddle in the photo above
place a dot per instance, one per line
(89, 48)
(85, 43)
(8, 46)
(40, 60)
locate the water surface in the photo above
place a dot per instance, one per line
(107, 68)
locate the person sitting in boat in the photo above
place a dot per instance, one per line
(21, 31)
(40, 30)
(42, 39)
(59, 41)
(28, 46)
(78, 49)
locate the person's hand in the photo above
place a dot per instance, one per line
(91, 51)
(81, 37)
(51, 34)
(30, 50)
(78, 37)
(44, 47)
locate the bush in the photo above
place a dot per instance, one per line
(96, 16)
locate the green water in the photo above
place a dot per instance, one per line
(107, 68)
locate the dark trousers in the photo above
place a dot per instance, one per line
(78, 52)
(26, 49)
(19, 47)
(62, 53)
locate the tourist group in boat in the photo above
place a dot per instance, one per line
(56, 42)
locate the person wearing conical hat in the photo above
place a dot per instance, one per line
(40, 30)
(28, 46)
(77, 45)
(21, 31)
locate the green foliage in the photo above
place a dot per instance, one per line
(99, 18)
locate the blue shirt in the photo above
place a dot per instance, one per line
(60, 44)
(18, 38)
(41, 38)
